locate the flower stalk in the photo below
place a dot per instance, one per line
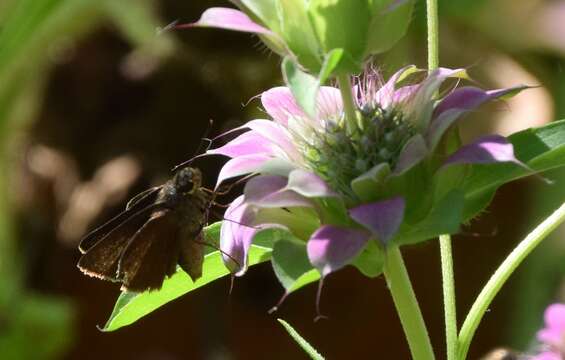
(407, 306)
(448, 279)
(502, 274)
(448, 285)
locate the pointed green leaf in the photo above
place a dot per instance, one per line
(313, 353)
(131, 307)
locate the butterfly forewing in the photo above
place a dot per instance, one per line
(137, 206)
(101, 259)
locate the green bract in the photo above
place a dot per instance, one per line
(308, 30)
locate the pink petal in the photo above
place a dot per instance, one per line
(414, 151)
(547, 355)
(277, 134)
(268, 191)
(248, 143)
(329, 104)
(459, 102)
(382, 218)
(236, 237)
(330, 247)
(486, 150)
(281, 105)
(385, 95)
(308, 184)
(240, 166)
(230, 19)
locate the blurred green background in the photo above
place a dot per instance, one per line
(96, 105)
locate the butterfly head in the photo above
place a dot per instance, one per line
(187, 179)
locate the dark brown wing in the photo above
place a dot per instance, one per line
(138, 203)
(152, 254)
(101, 259)
(192, 255)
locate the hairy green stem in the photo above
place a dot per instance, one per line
(407, 306)
(348, 102)
(448, 279)
(448, 284)
(433, 34)
(502, 274)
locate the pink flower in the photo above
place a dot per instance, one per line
(553, 334)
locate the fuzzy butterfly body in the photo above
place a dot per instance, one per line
(159, 229)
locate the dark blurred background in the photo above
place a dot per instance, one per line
(95, 106)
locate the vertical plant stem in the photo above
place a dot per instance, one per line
(448, 280)
(433, 34)
(449, 308)
(348, 102)
(502, 274)
(407, 306)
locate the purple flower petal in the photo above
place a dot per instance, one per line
(547, 355)
(331, 248)
(382, 218)
(230, 19)
(269, 191)
(486, 150)
(385, 95)
(277, 133)
(413, 152)
(308, 184)
(422, 104)
(458, 102)
(281, 105)
(554, 332)
(248, 143)
(236, 237)
(240, 166)
(329, 104)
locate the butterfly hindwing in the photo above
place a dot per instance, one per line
(151, 254)
(191, 255)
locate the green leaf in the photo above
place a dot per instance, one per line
(131, 307)
(313, 353)
(540, 148)
(444, 218)
(388, 26)
(342, 24)
(299, 35)
(291, 264)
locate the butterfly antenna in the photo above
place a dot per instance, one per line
(169, 27)
(199, 152)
